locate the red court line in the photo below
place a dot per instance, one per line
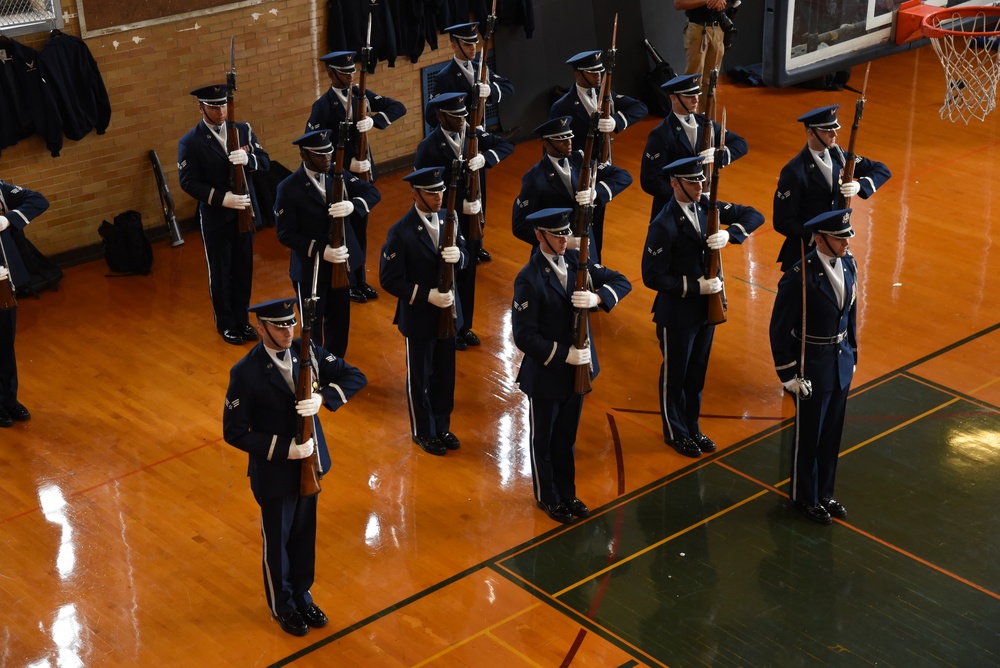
(116, 479)
(876, 539)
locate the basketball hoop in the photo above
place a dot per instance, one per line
(967, 40)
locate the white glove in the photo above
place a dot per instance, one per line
(707, 156)
(584, 299)
(578, 356)
(309, 407)
(234, 201)
(360, 166)
(336, 255)
(717, 240)
(800, 387)
(4, 273)
(709, 286)
(484, 89)
(300, 450)
(341, 209)
(573, 243)
(850, 189)
(440, 299)
(471, 208)
(4, 223)
(238, 157)
(585, 197)
(605, 125)
(476, 162)
(451, 254)
(365, 124)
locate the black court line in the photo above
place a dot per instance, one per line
(494, 562)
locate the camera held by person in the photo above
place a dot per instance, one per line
(725, 19)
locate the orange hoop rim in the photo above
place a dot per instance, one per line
(932, 30)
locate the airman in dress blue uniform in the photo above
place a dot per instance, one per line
(411, 262)
(261, 418)
(810, 184)
(302, 212)
(829, 278)
(204, 168)
(553, 182)
(674, 264)
(544, 308)
(680, 135)
(445, 144)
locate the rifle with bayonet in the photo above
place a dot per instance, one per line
(708, 127)
(338, 277)
(446, 271)
(166, 201)
(305, 385)
(717, 303)
(583, 216)
(7, 299)
(366, 53)
(477, 110)
(239, 176)
(604, 155)
(851, 159)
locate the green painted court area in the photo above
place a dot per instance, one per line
(711, 567)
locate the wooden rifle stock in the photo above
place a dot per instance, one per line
(311, 469)
(717, 304)
(850, 160)
(582, 218)
(166, 202)
(477, 111)
(338, 276)
(7, 299)
(446, 270)
(604, 155)
(366, 54)
(708, 127)
(239, 176)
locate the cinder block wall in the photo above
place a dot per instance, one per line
(148, 72)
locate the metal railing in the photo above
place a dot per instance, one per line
(22, 17)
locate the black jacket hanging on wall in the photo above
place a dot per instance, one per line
(27, 104)
(77, 85)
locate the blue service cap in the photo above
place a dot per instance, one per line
(342, 61)
(689, 169)
(464, 32)
(450, 103)
(317, 141)
(555, 128)
(587, 61)
(824, 118)
(684, 84)
(212, 96)
(554, 221)
(277, 312)
(836, 223)
(427, 178)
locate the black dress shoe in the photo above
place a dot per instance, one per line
(686, 447)
(313, 616)
(430, 445)
(578, 508)
(356, 296)
(460, 343)
(5, 419)
(248, 332)
(815, 513)
(704, 443)
(483, 255)
(232, 336)
(18, 412)
(471, 338)
(449, 440)
(369, 292)
(834, 507)
(559, 512)
(292, 623)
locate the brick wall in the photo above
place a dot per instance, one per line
(149, 71)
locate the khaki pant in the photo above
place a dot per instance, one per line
(703, 46)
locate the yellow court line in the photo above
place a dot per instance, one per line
(659, 543)
(900, 426)
(485, 632)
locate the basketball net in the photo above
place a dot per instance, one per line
(967, 41)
